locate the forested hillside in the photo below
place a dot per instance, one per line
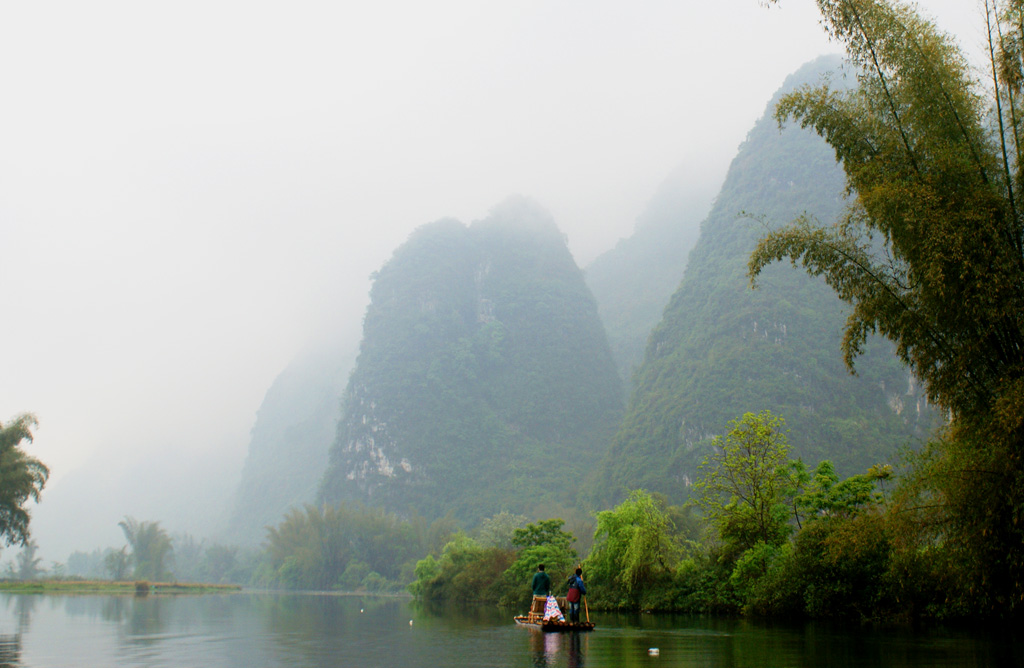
(293, 432)
(484, 380)
(723, 349)
(633, 282)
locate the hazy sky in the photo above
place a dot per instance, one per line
(190, 190)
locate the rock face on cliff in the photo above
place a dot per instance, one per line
(723, 349)
(484, 380)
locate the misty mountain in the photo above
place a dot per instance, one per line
(484, 380)
(633, 282)
(722, 348)
(290, 439)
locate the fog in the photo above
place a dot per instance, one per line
(190, 192)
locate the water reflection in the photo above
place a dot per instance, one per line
(574, 652)
(10, 650)
(19, 609)
(557, 649)
(266, 629)
(22, 607)
(543, 648)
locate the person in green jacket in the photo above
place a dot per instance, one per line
(541, 582)
(541, 588)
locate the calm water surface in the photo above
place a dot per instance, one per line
(260, 629)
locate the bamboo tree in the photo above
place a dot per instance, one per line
(152, 549)
(21, 478)
(929, 255)
(28, 562)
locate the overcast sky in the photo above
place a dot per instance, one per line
(190, 190)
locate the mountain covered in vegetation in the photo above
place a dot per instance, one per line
(290, 439)
(484, 380)
(723, 349)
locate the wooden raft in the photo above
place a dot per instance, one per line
(535, 618)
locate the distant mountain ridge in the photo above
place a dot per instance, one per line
(290, 439)
(633, 281)
(722, 349)
(484, 380)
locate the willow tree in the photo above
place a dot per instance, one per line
(930, 254)
(21, 478)
(635, 550)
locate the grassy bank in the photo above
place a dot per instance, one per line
(110, 587)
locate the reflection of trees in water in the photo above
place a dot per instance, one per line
(145, 619)
(114, 609)
(92, 607)
(450, 611)
(10, 650)
(141, 618)
(22, 606)
(457, 614)
(315, 615)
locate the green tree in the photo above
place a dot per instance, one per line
(28, 562)
(744, 480)
(308, 548)
(469, 570)
(930, 254)
(543, 542)
(188, 557)
(152, 549)
(220, 562)
(117, 563)
(498, 530)
(828, 496)
(547, 533)
(21, 478)
(465, 571)
(326, 547)
(634, 549)
(86, 564)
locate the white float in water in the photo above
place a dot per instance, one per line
(654, 651)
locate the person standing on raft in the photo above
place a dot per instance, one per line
(576, 592)
(544, 604)
(541, 590)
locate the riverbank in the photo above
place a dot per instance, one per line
(111, 587)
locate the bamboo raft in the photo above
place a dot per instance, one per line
(535, 619)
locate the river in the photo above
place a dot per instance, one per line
(268, 629)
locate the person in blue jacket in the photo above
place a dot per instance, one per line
(574, 597)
